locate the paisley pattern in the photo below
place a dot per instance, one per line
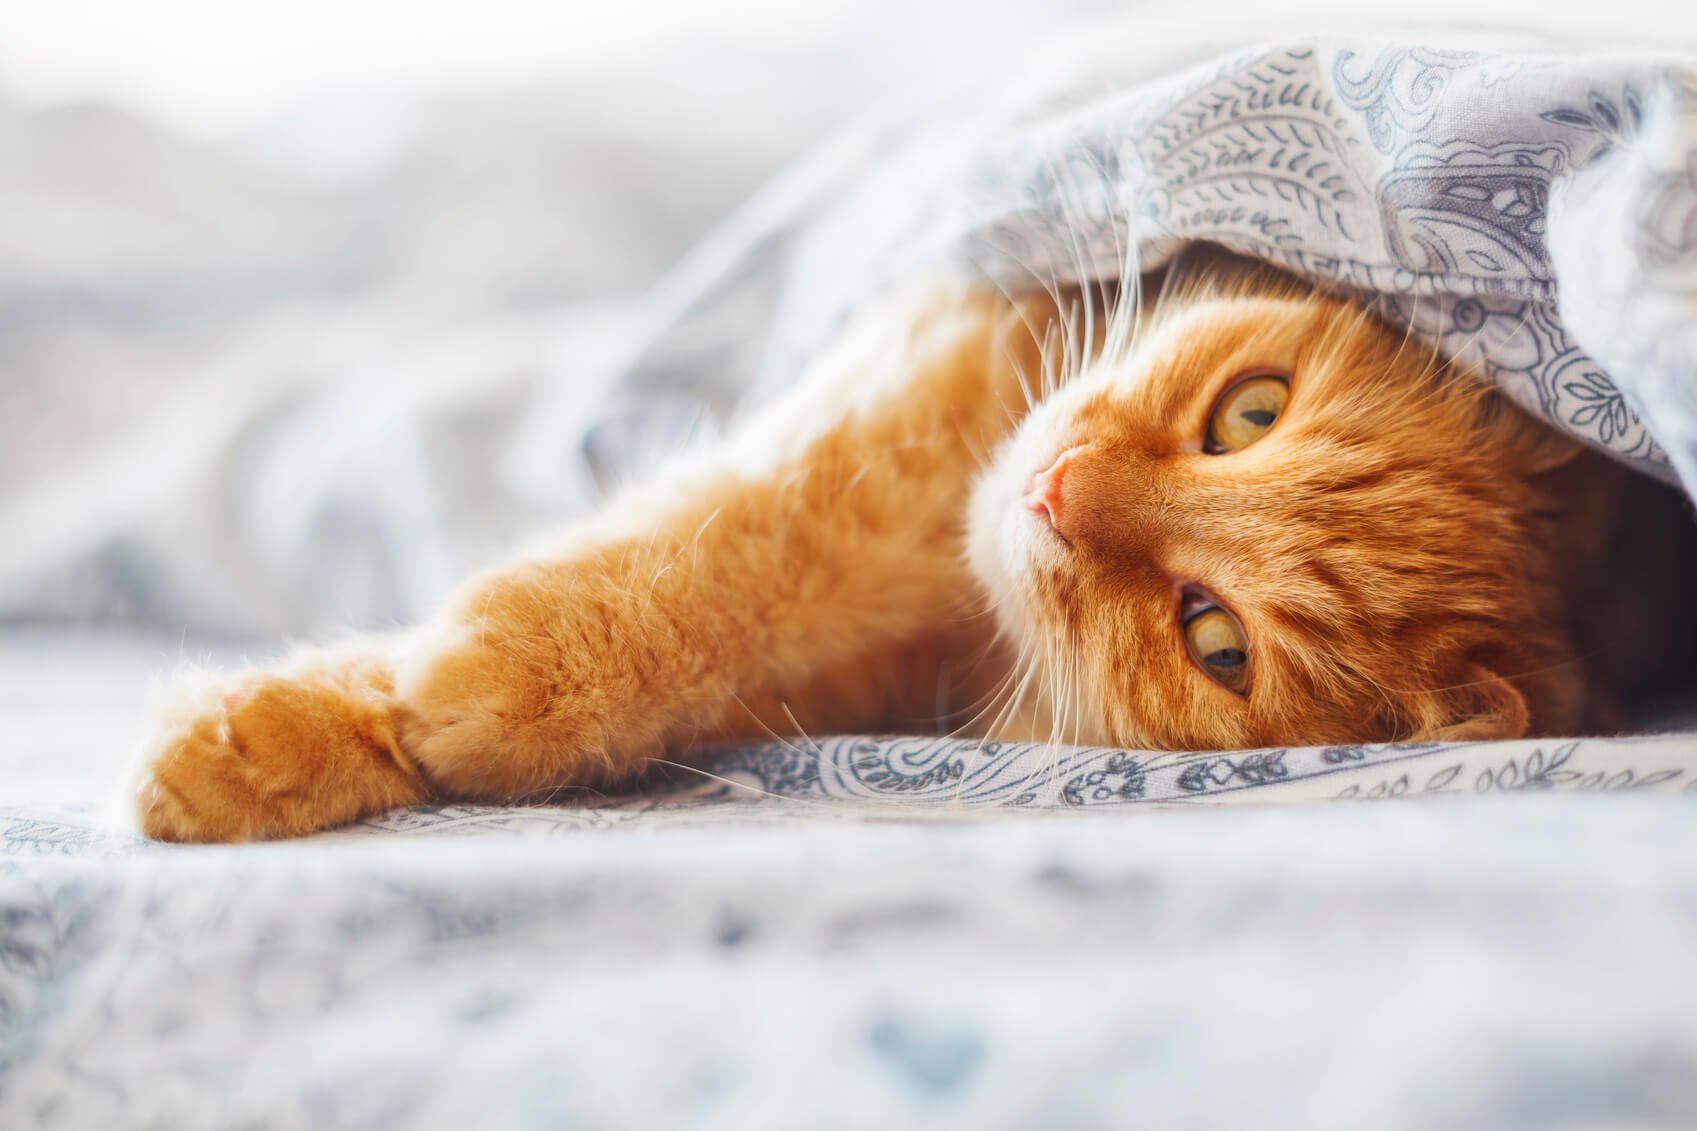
(962, 773)
(1393, 174)
(957, 932)
(1530, 214)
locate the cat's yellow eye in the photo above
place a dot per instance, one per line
(1243, 415)
(1217, 641)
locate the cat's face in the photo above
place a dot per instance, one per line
(1276, 521)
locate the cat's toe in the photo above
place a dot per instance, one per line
(263, 757)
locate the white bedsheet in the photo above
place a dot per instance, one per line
(736, 959)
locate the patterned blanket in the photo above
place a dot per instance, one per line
(1531, 212)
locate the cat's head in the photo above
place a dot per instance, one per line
(1276, 520)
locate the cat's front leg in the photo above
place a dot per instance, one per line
(827, 532)
(795, 567)
(580, 669)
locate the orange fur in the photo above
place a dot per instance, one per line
(859, 558)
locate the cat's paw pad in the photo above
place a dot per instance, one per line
(257, 756)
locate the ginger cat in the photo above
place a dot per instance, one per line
(1262, 518)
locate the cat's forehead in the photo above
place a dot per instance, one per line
(1195, 341)
(1348, 372)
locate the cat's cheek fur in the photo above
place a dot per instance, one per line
(993, 541)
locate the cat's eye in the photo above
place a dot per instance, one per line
(1217, 642)
(1243, 415)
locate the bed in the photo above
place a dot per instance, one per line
(1503, 942)
(879, 930)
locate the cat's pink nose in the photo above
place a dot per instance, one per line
(1043, 493)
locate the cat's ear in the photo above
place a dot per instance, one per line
(1548, 450)
(1481, 706)
(1535, 446)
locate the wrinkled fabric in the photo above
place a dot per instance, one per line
(1532, 214)
(875, 932)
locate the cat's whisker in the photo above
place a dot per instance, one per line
(1530, 673)
(1049, 284)
(1054, 360)
(1007, 691)
(1013, 417)
(1079, 705)
(800, 730)
(745, 786)
(1125, 254)
(987, 609)
(979, 706)
(1057, 350)
(1126, 321)
(1063, 719)
(1061, 359)
(1072, 362)
(552, 793)
(1055, 685)
(781, 740)
(1068, 190)
(989, 733)
(1031, 399)
(1025, 665)
(989, 700)
(1077, 690)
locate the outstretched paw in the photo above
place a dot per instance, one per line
(258, 756)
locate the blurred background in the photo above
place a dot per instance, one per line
(279, 281)
(190, 187)
(212, 213)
